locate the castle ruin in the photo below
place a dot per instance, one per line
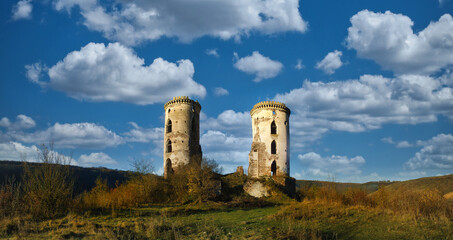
(182, 134)
(269, 154)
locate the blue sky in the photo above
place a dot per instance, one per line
(369, 83)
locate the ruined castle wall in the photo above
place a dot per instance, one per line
(184, 135)
(261, 156)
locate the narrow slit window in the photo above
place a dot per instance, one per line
(169, 126)
(169, 146)
(273, 147)
(273, 128)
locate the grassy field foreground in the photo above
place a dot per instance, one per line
(298, 220)
(43, 204)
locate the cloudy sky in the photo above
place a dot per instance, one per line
(369, 83)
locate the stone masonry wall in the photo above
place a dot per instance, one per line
(184, 135)
(261, 156)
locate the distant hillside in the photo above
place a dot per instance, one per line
(84, 177)
(442, 183)
(341, 187)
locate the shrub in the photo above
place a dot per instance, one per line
(10, 199)
(427, 203)
(48, 186)
(195, 182)
(355, 196)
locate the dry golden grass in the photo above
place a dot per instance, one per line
(449, 195)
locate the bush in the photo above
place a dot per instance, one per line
(355, 196)
(10, 199)
(48, 186)
(195, 182)
(425, 203)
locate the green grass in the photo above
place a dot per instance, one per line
(305, 220)
(335, 221)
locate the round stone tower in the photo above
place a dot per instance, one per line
(269, 155)
(182, 134)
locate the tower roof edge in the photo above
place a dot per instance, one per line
(270, 105)
(182, 99)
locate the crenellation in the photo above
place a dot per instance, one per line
(182, 135)
(183, 99)
(269, 155)
(270, 105)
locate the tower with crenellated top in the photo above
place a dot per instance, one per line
(182, 134)
(269, 154)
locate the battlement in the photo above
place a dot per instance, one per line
(182, 99)
(270, 105)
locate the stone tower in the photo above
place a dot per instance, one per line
(182, 134)
(269, 155)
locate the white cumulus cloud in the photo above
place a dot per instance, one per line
(231, 122)
(228, 150)
(67, 135)
(364, 104)
(140, 134)
(219, 91)
(437, 153)
(96, 159)
(212, 52)
(299, 65)
(259, 65)
(22, 122)
(388, 39)
(22, 10)
(75, 135)
(34, 72)
(114, 73)
(403, 144)
(331, 62)
(15, 151)
(133, 22)
(227, 139)
(400, 144)
(338, 166)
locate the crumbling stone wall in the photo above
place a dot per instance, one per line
(269, 154)
(182, 133)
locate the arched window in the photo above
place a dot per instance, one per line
(168, 146)
(273, 168)
(273, 128)
(169, 126)
(273, 147)
(168, 168)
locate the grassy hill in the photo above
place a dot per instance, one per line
(442, 183)
(342, 187)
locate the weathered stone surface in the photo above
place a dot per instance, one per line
(240, 170)
(256, 188)
(182, 133)
(269, 154)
